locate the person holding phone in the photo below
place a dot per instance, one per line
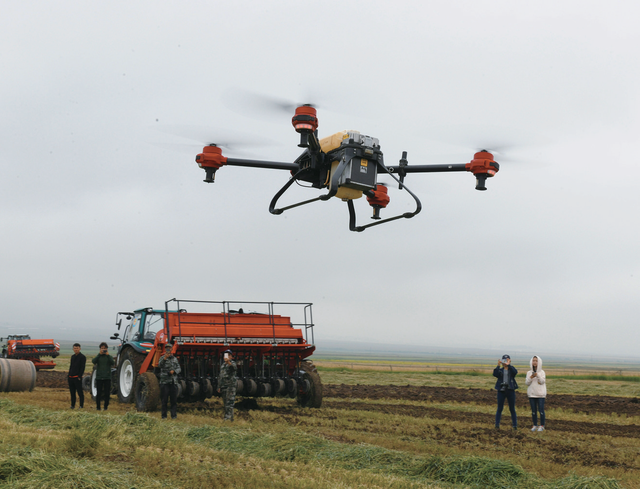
(169, 370)
(506, 386)
(536, 391)
(227, 384)
(103, 363)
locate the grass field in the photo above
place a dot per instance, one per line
(349, 442)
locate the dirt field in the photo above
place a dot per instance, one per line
(590, 433)
(583, 404)
(629, 406)
(586, 404)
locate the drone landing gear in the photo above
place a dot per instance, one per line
(378, 199)
(332, 192)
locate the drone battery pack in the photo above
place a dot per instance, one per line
(359, 173)
(360, 170)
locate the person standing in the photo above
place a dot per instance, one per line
(76, 371)
(227, 384)
(169, 370)
(506, 386)
(536, 391)
(103, 363)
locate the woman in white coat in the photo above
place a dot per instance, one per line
(537, 392)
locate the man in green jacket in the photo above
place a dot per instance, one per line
(103, 363)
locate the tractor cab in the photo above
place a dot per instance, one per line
(139, 328)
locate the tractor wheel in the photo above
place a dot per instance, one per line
(93, 388)
(207, 389)
(147, 392)
(127, 372)
(312, 384)
(86, 383)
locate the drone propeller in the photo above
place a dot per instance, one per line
(507, 144)
(201, 136)
(253, 103)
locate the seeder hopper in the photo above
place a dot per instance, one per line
(22, 347)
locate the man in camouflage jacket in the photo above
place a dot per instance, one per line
(227, 384)
(169, 370)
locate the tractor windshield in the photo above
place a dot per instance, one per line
(152, 325)
(131, 331)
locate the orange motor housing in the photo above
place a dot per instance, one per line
(483, 162)
(305, 119)
(211, 157)
(380, 197)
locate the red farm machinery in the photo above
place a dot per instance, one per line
(271, 351)
(22, 347)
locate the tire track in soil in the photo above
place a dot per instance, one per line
(629, 406)
(607, 429)
(487, 437)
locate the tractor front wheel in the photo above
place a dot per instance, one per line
(93, 388)
(128, 368)
(147, 392)
(310, 390)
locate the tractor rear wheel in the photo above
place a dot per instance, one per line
(313, 395)
(147, 392)
(128, 368)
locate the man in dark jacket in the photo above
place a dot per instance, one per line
(76, 371)
(103, 362)
(506, 386)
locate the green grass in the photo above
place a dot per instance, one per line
(404, 371)
(606, 378)
(473, 373)
(42, 447)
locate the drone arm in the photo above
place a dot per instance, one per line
(211, 160)
(427, 168)
(273, 165)
(482, 166)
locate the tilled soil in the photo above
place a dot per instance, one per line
(585, 427)
(52, 379)
(629, 406)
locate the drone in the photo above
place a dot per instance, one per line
(347, 164)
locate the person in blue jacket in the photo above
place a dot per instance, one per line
(506, 386)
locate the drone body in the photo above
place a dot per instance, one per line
(347, 164)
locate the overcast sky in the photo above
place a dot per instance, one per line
(102, 208)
